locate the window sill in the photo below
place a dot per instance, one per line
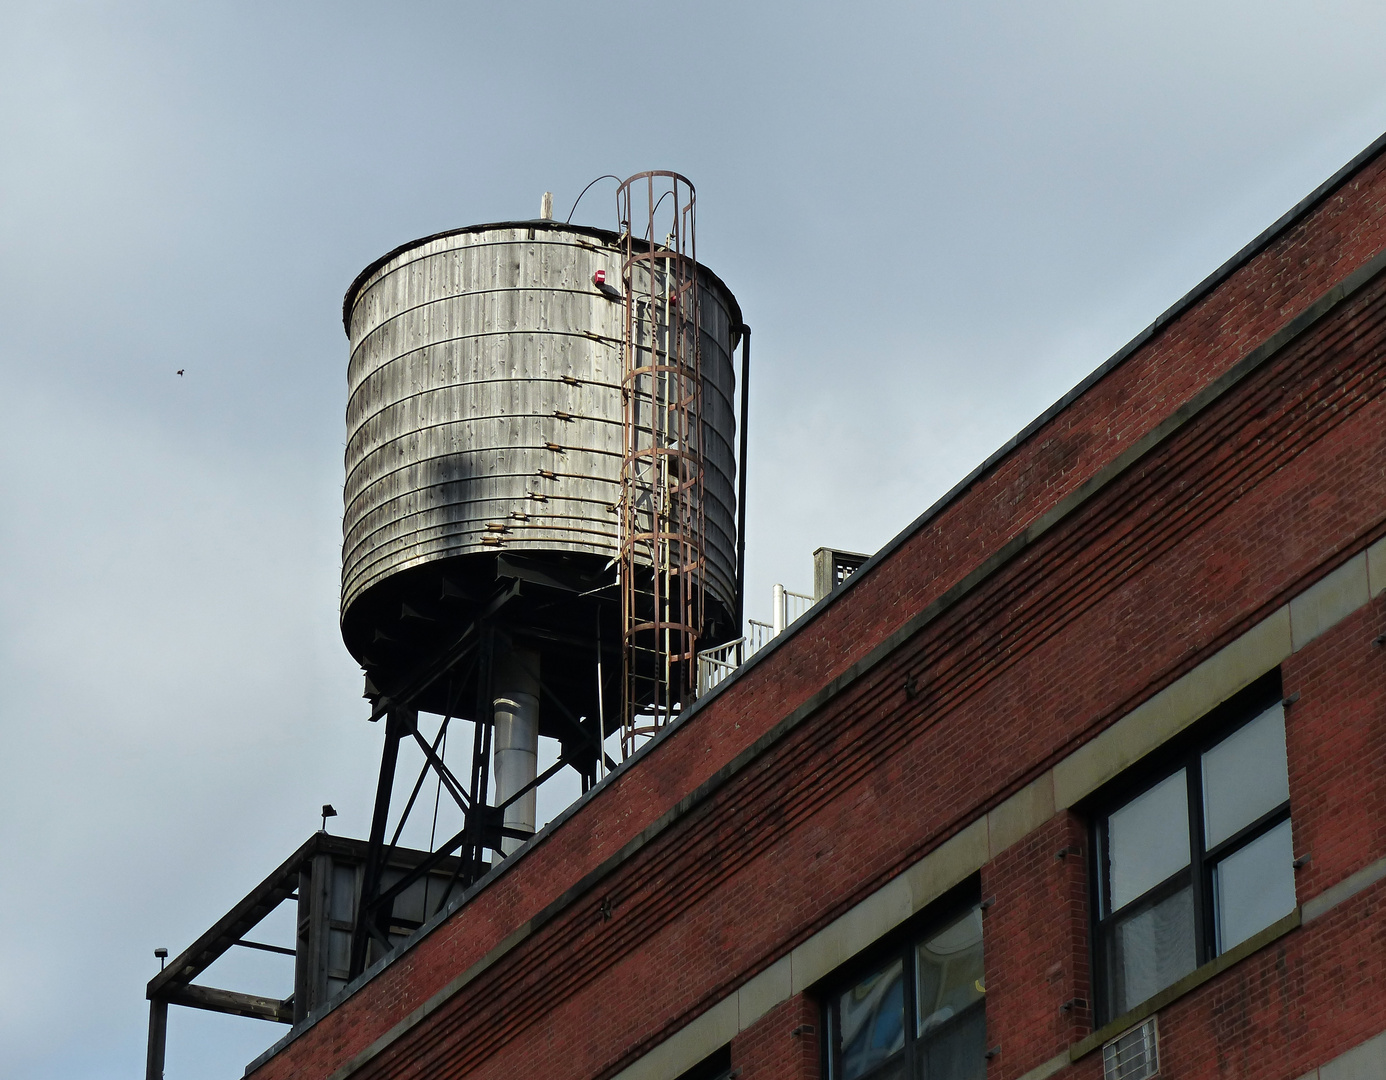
(1192, 980)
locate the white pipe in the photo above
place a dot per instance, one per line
(601, 711)
(779, 606)
(516, 754)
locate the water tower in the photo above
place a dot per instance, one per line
(541, 523)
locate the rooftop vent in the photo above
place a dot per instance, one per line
(831, 568)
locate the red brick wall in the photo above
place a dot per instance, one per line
(1336, 738)
(1321, 989)
(1035, 940)
(1299, 1002)
(1229, 517)
(782, 1045)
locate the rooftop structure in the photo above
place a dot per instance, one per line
(1083, 774)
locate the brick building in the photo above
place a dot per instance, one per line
(1096, 746)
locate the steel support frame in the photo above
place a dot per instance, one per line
(374, 909)
(482, 825)
(174, 984)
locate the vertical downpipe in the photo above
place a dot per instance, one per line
(516, 754)
(601, 707)
(741, 488)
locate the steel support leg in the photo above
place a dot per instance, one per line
(398, 723)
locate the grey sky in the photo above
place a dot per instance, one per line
(937, 218)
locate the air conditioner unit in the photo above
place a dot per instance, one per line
(1134, 1054)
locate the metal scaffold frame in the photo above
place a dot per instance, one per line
(662, 541)
(467, 660)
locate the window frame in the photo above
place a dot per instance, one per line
(716, 1066)
(1183, 752)
(899, 944)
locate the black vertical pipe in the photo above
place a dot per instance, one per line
(158, 1039)
(741, 483)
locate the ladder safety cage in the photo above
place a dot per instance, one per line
(662, 529)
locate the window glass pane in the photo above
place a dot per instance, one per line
(1148, 839)
(1152, 949)
(955, 1049)
(1245, 776)
(871, 1020)
(1255, 886)
(949, 971)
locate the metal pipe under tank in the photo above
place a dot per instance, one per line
(516, 755)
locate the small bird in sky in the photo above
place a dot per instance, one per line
(180, 371)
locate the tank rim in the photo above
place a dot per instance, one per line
(547, 224)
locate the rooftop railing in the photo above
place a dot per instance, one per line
(717, 663)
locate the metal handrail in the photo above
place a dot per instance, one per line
(760, 636)
(717, 663)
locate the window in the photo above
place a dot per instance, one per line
(917, 1012)
(1200, 858)
(716, 1066)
